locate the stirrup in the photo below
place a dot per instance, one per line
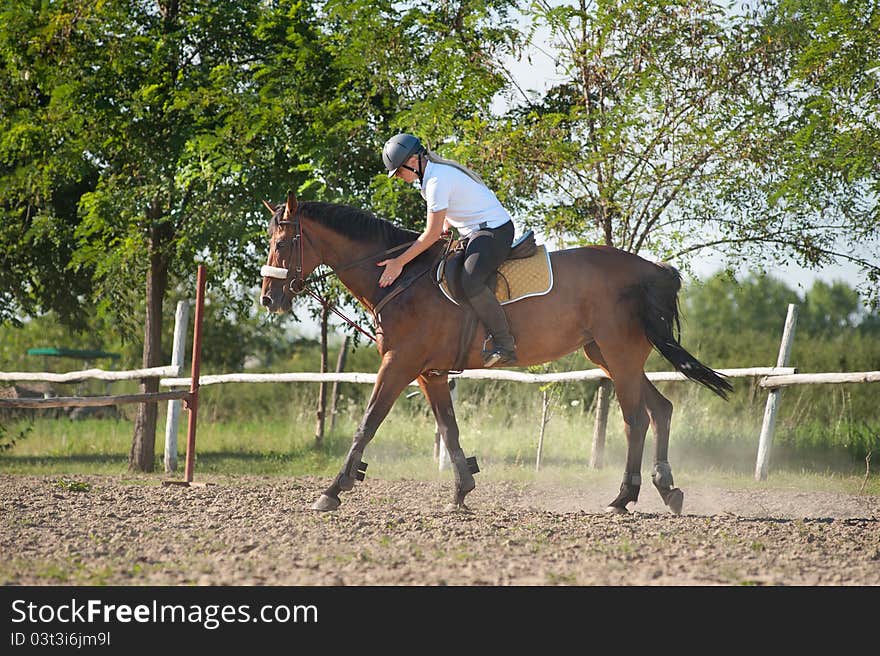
(498, 357)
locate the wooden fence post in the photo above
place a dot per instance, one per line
(340, 367)
(545, 418)
(322, 386)
(181, 318)
(597, 452)
(769, 423)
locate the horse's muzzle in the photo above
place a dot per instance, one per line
(275, 301)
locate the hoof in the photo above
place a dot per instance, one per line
(616, 510)
(326, 503)
(675, 500)
(462, 492)
(458, 508)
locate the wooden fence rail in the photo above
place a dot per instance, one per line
(87, 374)
(474, 374)
(89, 401)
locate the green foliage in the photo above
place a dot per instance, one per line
(8, 439)
(820, 153)
(136, 140)
(69, 485)
(680, 127)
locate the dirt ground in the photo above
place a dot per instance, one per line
(260, 531)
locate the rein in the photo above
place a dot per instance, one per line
(297, 284)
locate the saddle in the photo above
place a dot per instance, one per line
(525, 273)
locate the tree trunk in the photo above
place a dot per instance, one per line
(340, 367)
(322, 390)
(142, 454)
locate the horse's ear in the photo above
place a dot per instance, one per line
(290, 210)
(270, 207)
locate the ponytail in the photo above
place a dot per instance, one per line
(436, 159)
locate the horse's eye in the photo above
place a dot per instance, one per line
(279, 245)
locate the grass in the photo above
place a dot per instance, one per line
(278, 440)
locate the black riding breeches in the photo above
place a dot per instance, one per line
(486, 249)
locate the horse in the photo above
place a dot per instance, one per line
(613, 304)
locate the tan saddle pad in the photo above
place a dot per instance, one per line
(516, 280)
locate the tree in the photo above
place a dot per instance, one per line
(668, 135)
(824, 149)
(725, 306)
(42, 177)
(154, 105)
(154, 102)
(829, 309)
(172, 120)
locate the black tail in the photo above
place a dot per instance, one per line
(658, 310)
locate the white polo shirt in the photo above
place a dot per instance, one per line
(467, 202)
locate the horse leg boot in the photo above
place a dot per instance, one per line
(671, 495)
(492, 315)
(464, 476)
(629, 493)
(352, 469)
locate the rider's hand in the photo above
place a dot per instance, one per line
(391, 272)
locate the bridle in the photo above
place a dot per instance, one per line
(295, 282)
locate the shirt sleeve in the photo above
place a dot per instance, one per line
(436, 193)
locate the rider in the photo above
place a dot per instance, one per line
(457, 197)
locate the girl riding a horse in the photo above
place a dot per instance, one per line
(458, 198)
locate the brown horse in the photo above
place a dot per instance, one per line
(613, 304)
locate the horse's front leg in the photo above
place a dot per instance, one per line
(436, 390)
(391, 380)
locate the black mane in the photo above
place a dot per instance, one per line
(352, 222)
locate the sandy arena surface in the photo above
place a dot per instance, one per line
(128, 530)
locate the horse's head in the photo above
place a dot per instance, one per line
(291, 257)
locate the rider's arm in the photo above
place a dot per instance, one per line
(432, 232)
(436, 223)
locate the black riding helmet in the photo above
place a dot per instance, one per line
(400, 148)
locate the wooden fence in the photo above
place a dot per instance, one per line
(773, 379)
(190, 396)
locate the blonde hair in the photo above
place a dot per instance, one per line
(436, 159)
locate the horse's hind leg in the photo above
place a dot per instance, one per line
(627, 373)
(660, 414)
(436, 389)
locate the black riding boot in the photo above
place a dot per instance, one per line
(492, 315)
